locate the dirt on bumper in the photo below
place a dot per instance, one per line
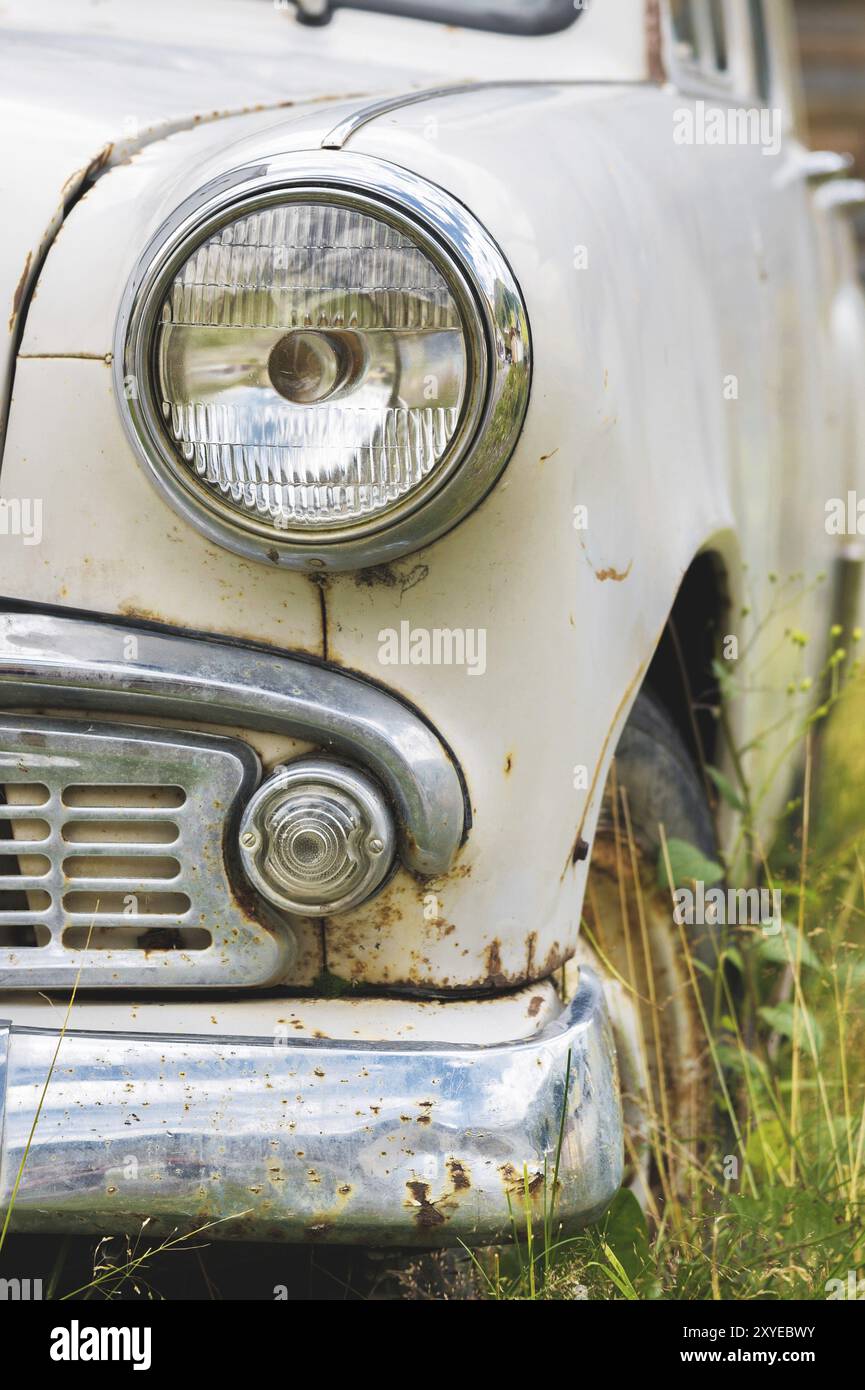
(298, 1140)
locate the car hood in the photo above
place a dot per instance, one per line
(83, 86)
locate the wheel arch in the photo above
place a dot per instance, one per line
(681, 673)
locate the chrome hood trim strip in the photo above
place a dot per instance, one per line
(74, 662)
(342, 132)
(337, 138)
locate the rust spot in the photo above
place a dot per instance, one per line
(509, 762)
(426, 1213)
(391, 576)
(387, 914)
(495, 974)
(19, 291)
(453, 875)
(535, 1005)
(459, 1175)
(516, 1184)
(617, 575)
(424, 1120)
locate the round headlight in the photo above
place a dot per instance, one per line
(322, 374)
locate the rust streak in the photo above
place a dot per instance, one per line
(654, 49)
(20, 289)
(495, 974)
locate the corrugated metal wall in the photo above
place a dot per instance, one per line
(832, 44)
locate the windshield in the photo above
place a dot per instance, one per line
(503, 16)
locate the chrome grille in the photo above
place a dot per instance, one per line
(112, 851)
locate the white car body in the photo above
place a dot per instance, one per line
(655, 274)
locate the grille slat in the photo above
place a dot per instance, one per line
(117, 849)
(100, 813)
(149, 807)
(119, 919)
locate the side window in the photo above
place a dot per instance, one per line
(718, 21)
(760, 45)
(682, 15)
(700, 33)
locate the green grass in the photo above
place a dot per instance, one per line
(772, 1205)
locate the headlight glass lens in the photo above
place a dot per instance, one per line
(312, 365)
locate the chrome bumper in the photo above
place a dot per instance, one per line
(283, 1139)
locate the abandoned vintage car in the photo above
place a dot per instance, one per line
(395, 395)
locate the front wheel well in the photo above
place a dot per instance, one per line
(681, 673)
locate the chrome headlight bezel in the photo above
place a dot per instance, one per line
(497, 342)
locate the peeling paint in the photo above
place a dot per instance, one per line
(616, 575)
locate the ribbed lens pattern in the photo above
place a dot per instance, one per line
(310, 264)
(312, 845)
(311, 365)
